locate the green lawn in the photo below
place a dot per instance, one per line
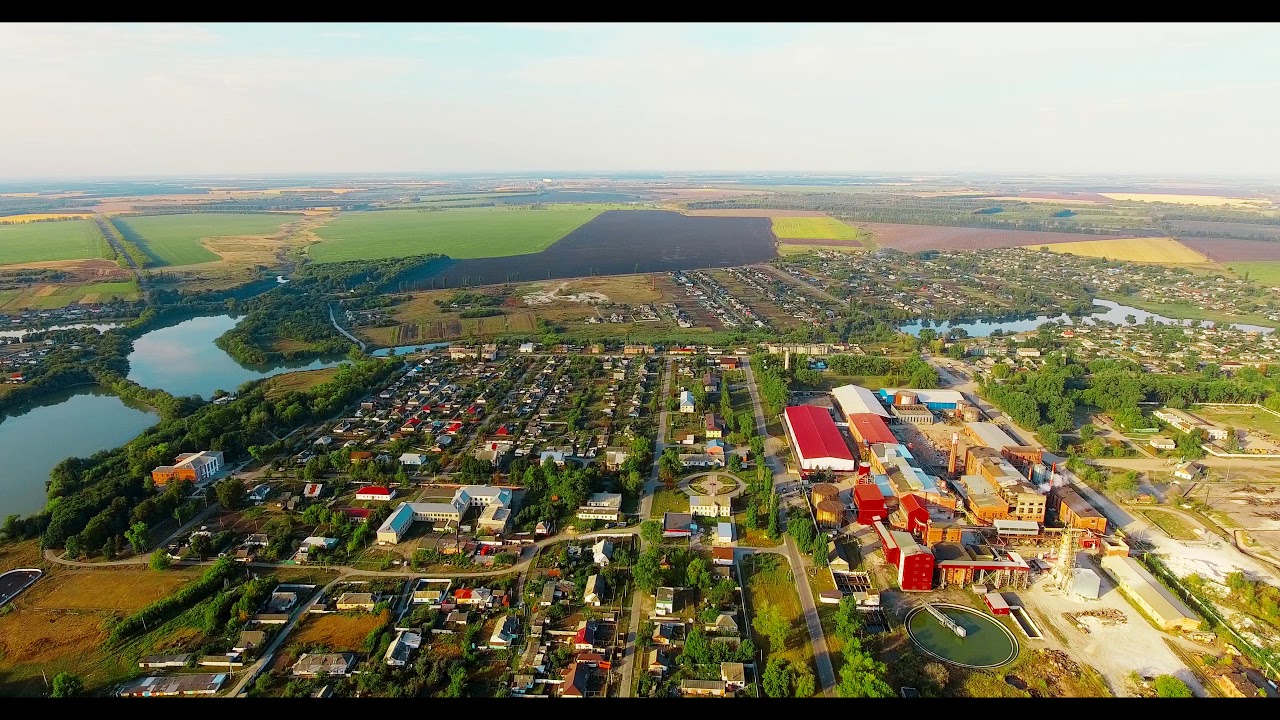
(175, 239)
(53, 240)
(1265, 272)
(90, 293)
(812, 228)
(472, 233)
(1174, 526)
(665, 501)
(768, 580)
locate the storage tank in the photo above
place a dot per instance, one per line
(905, 397)
(825, 492)
(830, 513)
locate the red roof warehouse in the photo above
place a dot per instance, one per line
(816, 440)
(869, 428)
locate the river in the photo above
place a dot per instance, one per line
(79, 422)
(76, 422)
(1106, 310)
(74, 326)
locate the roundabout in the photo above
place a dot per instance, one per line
(986, 642)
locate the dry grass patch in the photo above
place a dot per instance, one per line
(1137, 249)
(338, 632)
(297, 381)
(754, 212)
(123, 590)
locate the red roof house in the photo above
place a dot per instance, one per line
(375, 492)
(914, 511)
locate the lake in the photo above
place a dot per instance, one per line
(406, 349)
(75, 326)
(182, 359)
(1106, 310)
(77, 422)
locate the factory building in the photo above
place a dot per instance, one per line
(1074, 511)
(914, 563)
(935, 400)
(816, 440)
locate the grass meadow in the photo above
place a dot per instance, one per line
(32, 242)
(1264, 272)
(172, 240)
(48, 297)
(812, 228)
(472, 233)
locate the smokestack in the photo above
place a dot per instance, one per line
(786, 359)
(955, 453)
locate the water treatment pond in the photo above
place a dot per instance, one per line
(987, 643)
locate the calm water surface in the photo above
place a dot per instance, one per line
(77, 422)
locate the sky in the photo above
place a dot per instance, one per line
(100, 100)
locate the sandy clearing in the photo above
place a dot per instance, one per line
(1185, 199)
(1112, 650)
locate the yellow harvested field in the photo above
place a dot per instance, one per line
(1138, 249)
(123, 589)
(1185, 199)
(753, 212)
(34, 217)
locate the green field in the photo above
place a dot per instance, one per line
(48, 297)
(44, 241)
(175, 239)
(1248, 417)
(488, 232)
(1174, 526)
(1263, 272)
(812, 228)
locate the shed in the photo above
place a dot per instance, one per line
(996, 604)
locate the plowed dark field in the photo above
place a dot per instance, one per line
(1231, 250)
(621, 242)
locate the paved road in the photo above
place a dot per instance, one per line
(821, 655)
(348, 335)
(15, 581)
(628, 660)
(793, 280)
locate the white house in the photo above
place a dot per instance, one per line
(710, 506)
(602, 552)
(526, 347)
(601, 506)
(687, 404)
(402, 647)
(593, 595)
(413, 459)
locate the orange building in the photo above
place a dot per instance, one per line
(189, 466)
(1074, 511)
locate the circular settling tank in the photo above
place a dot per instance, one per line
(987, 642)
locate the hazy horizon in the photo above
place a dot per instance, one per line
(110, 101)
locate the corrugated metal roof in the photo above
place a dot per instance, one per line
(991, 435)
(871, 428)
(815, 433)
(856, 400)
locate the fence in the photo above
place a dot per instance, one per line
(1207, 610)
